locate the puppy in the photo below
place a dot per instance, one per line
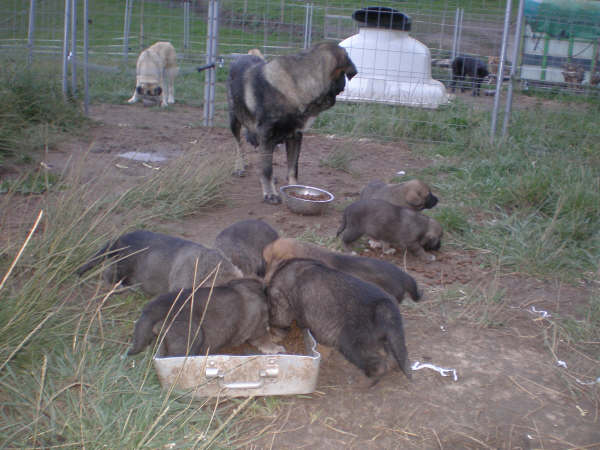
(243, 243)
(573, 74)
(160, 263)
(397, 226)
(341, 311)
(387, 276)
(206, 320)
(464, 67)
(155, 75)
(414, 194)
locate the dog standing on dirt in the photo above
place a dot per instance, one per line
(243, 243)
(397, 226)
(468, 67)
(414, 194)
(160, 263)
(155, 75)
(386, 275)
(276, 100)
(206, 321)
(341, 311)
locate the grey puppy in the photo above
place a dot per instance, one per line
(386, 275)
(276, 100)
(341, 311)
(243, 243)
(209, 320)
(414, 194)
(397, 226)
(160, 263)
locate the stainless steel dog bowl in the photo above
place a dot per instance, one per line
(303, 206)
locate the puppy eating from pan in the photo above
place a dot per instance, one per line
(383, 274)
(159, 263)
(414, 194)
(243, 243)
(276, 100)
(205, 320)
(341, 311)
(155, 75)
(396, 226)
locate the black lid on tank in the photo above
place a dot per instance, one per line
(382, 17)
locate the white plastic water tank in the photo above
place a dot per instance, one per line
(392, 66)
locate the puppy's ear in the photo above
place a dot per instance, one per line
(415, 199)
(139, 90)
(157, 91)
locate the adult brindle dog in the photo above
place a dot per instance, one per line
(276, 100)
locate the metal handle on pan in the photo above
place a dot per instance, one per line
(215, 372)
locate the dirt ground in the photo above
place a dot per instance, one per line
(510, 390)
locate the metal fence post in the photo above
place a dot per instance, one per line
(126, 27)
(86, 80)
(513, 69)
(455, 37)
(65, 61)
(73, 53)
(211, 52)
(186, 24)
(460, 27)
(308, 25)
(501, 72)
(30, 31)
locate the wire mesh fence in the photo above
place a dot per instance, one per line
(404, 89)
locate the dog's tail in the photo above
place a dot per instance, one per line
(95, 260)
(342, 226)
(388, 317)
(410, 286)
(143, 333)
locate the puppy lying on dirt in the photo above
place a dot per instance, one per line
(381, 273)
(396, 226)
(160, 263)
(341, 311)
(243, 243)
(229, 315)
(414, 194)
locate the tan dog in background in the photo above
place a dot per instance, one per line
(155, 75)
(414, 194)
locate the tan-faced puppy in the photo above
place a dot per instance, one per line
(341, 311)
(414, 194)
(206, 321)
(386, 275)
(155, 75)
(159, 263)
(243, 243)
(396, 226)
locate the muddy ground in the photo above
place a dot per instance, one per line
(511, 391)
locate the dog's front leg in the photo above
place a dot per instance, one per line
(266, 175)
(136, 93)
(292, 148)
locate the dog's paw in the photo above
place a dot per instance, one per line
(374, 244)
(272, 199)
(132, 100)
(271, 349)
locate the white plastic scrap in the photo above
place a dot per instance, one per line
(543, 314)
(561, 363)
(588, 383)
(401, 172)
(443, 372)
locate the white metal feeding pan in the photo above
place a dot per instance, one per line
(392, 66)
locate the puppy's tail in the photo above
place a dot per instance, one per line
(388, 317)
(95, 260)
(410, 286)
(142, 334)
(342, 226)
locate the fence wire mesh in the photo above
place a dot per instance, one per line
(557, 55)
